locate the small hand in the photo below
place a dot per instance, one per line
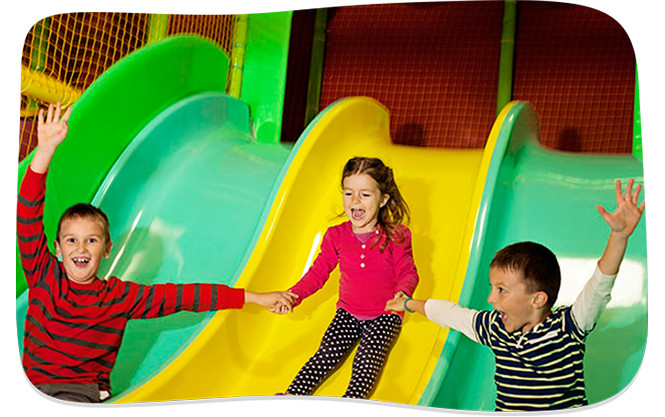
(397, 303)
(627, 214)
(282, 302)
(52, 130)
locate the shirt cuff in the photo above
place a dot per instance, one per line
(234, 298)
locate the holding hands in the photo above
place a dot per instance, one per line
(396, 305)
(278, 302)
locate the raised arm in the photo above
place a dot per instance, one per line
(596, 293)
(622, 222)
(51, 131)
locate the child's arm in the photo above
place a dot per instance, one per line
(596, 293)
(622, 223)
(444, 313)
(405, 267)
(51, 131)
(35, 255)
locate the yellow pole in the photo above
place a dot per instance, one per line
(238, 55)
(50, 90)
(157, 27)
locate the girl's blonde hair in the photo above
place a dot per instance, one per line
(395, 211)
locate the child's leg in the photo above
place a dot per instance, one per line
(341, 335)
(376, 341)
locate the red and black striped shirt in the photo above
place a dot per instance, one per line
(73, 331)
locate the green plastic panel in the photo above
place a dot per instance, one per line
(264, 74)
(174, 183)
(549, 197)
(112, 111)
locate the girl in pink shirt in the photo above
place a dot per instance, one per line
(373, 250)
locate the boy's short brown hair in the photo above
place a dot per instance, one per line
(84, 210)
(539, 267)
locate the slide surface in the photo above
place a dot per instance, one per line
(550, 197)
(253, 352)
(175, 168)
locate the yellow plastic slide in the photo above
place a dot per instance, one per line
(253, 352)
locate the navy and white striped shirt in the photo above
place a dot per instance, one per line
(541, 369)
(538, 370)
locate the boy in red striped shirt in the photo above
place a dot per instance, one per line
(75, 321)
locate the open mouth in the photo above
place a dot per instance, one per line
(357, 214)
(502, 316)
(81, 262)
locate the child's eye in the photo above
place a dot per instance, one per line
(70, 240)
(92, 240)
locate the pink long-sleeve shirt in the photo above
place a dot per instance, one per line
(368, 276)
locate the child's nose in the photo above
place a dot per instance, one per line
(490, 298)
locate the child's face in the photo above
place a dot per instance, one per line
(82, 246)
(519, 309)
(362, 201)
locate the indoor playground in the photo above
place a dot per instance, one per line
(215, 144)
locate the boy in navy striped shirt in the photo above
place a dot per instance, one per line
(75, 321)
(539, 352)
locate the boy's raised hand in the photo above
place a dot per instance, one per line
(51, 131)
(627, 214)
(623, 222)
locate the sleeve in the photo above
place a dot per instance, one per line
(452, 315)
(31, 240)
(405, 267)
(158, 300)
(593, 299)
(317, 275)
(484, 324)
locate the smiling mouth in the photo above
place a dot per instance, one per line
(80, 261)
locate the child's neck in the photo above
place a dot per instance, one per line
(363, 237)
(529, 326)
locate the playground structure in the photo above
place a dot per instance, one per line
(186, 139)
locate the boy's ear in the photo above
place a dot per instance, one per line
(58, 252)
(540, 299)
(107, 252)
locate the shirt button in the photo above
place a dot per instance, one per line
(363, 246)
(362, 256)
(362, 265)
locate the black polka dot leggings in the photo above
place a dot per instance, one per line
(376, 338)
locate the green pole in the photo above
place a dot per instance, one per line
(264, 75)
(157, 27)
(637, 121)
(316, 65)
(238, 55)
(505, 89)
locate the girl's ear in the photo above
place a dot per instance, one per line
(384, 201)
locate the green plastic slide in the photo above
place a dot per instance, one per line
(549, 197)
(156, 144)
